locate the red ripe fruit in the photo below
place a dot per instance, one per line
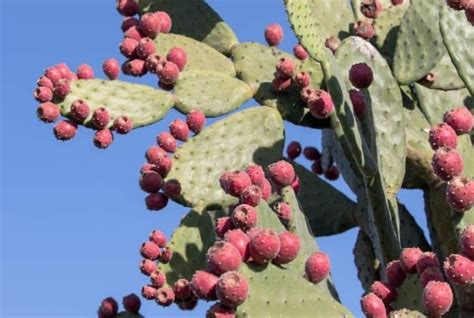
(84, 71)
(371, 8)
(111, 68)
(309, 94)
(283, 210)
(266, 189)
(168, 73)
(128, 47)
(223, 225)
(135, 67)
(65, 130)
(148, 292)
(281, 84)
(442, 135)
(460, 119)
(431, 274)
(166, 141)
(158, 237)
(467, 242)
(53, 74)
(43, 94)
(273, 34)
(251, 196)
(79, 110)
(459, 269)
(437, 298)
(177, 56)
(203, 285)
(127, 23)
(100, 118)
(108, 307)
(397, 2)
(289, 248)
(302, 79)
(43, 81)
(300, 53)
(365, 30)
(103, 138)
(281, 173)
(264, 246)
(156, 201)
(154, 153)
(122, 125)
(293, 150)
(150, 250)
(164, 296)
(220, 311)
(127, 8)
(154, 63)
(322, 106)
(62, 89)
(447, 163)
(223, 257)
(166, 22)
(179, 130)
(145, 48)
(311, 153)
(373, 306)
(426, 260)
(182, 289)
(358, 102)
(48, 112)
(244, 217)
(317, 267)
(64, 70)
(151, 181)
(147, 267)
(163, 166)
(196, 121)
(285, 67)
(386, 292)
(256, 174)
(331, 173)
(166, 255)
(317, 168)
(133, 33)
(394, 273)
(150, 25)
(458, 4)
(235, 183)
(409, 258)
(132, 303)
(361, 75)
(232, 289)
(172, 188)
(240, 240)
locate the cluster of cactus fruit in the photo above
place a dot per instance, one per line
(391, 85)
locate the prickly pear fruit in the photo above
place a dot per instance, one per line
(373, 306)
(156, 201)
(300, 53)
(48, 112)
(127, 23)
(293, 150)
(322, 106)
(431, 274)
(309, 94)
(148, 292)
(134, 67)
(164, 296)
(256, 174)
(447, 163)
(103, 138)
(365, 30)
(385, 291)
(154, 63)
(163, 165)
(151, 181)
(285, 67)
(459, 269)
(426, 260)
(232, 289)
(443, 135)
(150, 250)
(177, 56)
(371, 8)
(108, 307)
(203, 285)
(122, 125)
(179, 129)
(182, 289)
(251, 196)
(460, 119)
(220, 311)
(470, 12)
(166, 22)
(158, 279)
(358, 102)
(154, 153)
(168, 73)
(239, 240)
(166, 141)
(111, 68)
(266, 188)
(409, 258)
(62, 89)
(127, 8)
(43, 94)
(158, 237)
(133, 33)
(196, 121)
(273, 34)
(79, 110)
(437, 298)
(281, 173)
(85, 71)
(281, 84)
(223, 225)
(128, 47)
(150, 25)
(317, 168)
(283, 210)
(458, 4)
(289, 248)
(53, 74)
(394, 273)
(467, 242)
(264, 246)
(132, 303)
(147, 267)
(43, 81)
(244, 217)
(172, 188)
(317, 267)
(65, 130)
(145, 48)
(460, 194)
(166, 255)
(311, 153)
(361, 75)
(100, 118)
(223, 257)
(235, 183)
(331, 173)
(302, 79)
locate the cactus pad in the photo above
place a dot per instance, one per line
(213, 93)
(364, 258)
(333, 18)
(446, 75)
(143, 104)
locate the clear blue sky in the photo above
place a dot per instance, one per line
(73, 216)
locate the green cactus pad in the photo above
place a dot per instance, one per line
(458, 36)
(419, 44)
(213, 93)
(252, 135)
(446, 76)
(366, 263)
(410, 294)
(328, 211)
(411, 234)
(405, 313)
(383, 116)
(333, 18)
(143, 104)
(195, 19)
(199, 56)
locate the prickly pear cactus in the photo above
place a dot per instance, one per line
(390, 82)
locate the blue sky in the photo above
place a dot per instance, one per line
(73, 216)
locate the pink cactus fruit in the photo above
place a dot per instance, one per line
(100, 118)
(168, 72)
(163, 165)
(281, 173)
(264, 246)
(358, 102)
(373, 306)
(447, 163)
(317, 267)
(103, 138)
(283, 210)
(302, 79)
(467, 242)
(361, 75)
(293, 150)
(386, 292)
(285, 67)
(469, 12)
(266, 189)
(62, 89)
(295, 185)
(122, 125)
(145, 48)
(365, 30)
(79, 110)
(156, 201)
(256, 174)
(317, 168)
(395, 273)
(299, 52)
(131, 303)
(437, 298)
(332, 43)
(166, 141)
(177, 56)
(371, 8)
(85, 71)
(158, 237)
(223, 225)
(239, 240)
(133, 33)
(43, 94)
(311, 153)
(309, 94)
(127, 8)
(43, 81)
(196, 120)
(223, 257)
(127, 23)
(458, 4)
(431, 274)
(459, 269)
(409, 258)
(154, 153)
(426, 260)
(232, 289)
(166, 22)
(322, 106)
(150, 181)
(203, 285)
(63, 70)
(65, 130)
(164, 296)
(48, 112)
(442, 135)
(220, 311)
(281, 84)
(111, 68)
(134, 67)
(289, 248)
(108, 307)
(251, 196)
(166, 255)
(331, 173)
(128, 47)
(179, 129)
(53, 74)
(172, 188)
(154, 63)
(460, 194)
(244, 217)
(273, 34)
(150, 250)
(460, 119)
(235, 183)
(150, 25)
(147, 267)
(148, 292)
(182, 289)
